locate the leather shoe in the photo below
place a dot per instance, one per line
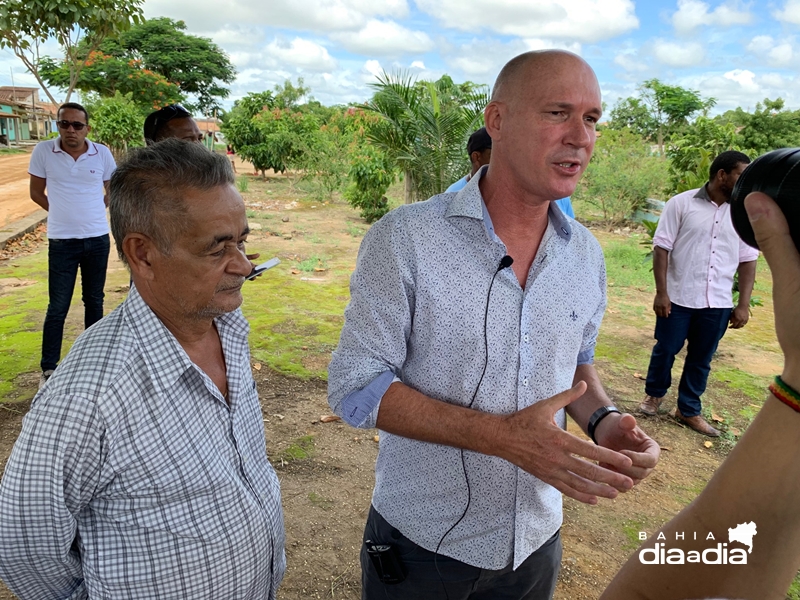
(698, 423)
(650, 404)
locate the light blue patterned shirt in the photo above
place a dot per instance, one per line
(418, 296)
(134, 478)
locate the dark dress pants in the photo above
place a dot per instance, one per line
(535, 579)
(703, 328)
(65, 257)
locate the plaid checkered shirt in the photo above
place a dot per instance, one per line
(134, 478)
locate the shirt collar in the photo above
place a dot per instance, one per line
(166, 359)
(702, 193)
(92, 148)
(469, 203)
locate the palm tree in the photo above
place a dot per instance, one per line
(424, 128)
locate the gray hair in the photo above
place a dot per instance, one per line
(147, 189)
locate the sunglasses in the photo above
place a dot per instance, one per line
(76, 125)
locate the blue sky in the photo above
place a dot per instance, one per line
(738, 52)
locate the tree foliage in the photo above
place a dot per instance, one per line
(267, 136)
(26, 24)
(108, 75)
(154, 51)
(621, 175)
(770, 127)
(660, 111)
(424, 127)
(116, 122)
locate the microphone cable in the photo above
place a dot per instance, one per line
(505, 262)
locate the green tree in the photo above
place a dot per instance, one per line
(660, 111)
(116, 122)
(194, 65)
(267, 136)
(621, 175)
(107, 75)
(770, 127)
(26, 24)
(691, 152)
(634, 115)
(370, 175)
(423, 128)
(289, 95)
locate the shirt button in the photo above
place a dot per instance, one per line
(525, 382)
(526, 338)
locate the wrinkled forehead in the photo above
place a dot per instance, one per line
(71, 114)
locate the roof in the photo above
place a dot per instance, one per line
(207, 124)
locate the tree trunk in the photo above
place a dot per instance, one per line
(409, 191)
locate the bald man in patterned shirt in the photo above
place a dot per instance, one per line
(470, 332)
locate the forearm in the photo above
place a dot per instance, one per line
(40, 198)
(594, 397)
(745, 488)
(660, 264)
(406, 412)
(747, 278)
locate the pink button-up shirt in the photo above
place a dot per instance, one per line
(704, 250)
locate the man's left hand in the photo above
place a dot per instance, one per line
(621, 433)
(739, 317)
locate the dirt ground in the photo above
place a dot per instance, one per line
(15, 203)
(326, 488)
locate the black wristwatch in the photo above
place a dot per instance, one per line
(597, 416)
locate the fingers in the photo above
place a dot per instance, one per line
(772, 234)
(253, 256)
(561, 400)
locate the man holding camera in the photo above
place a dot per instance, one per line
(696, 252)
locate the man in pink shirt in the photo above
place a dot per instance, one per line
(696, 253)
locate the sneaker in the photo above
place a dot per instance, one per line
(45, 376)
(650, 404)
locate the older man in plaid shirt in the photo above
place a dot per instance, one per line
(141, 470)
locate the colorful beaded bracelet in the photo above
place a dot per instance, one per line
(785, 394)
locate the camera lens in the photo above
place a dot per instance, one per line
(777, 174)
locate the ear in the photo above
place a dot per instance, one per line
(493, 116)
(140, 251)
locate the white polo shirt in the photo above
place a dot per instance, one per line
(74, 188)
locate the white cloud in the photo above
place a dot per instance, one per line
(777, 54)
(301, 53)
(675, 54)
(373, 67)
(306, 15)
(385, 38)
(237, 35)
(482, 59)
(695, 13)
(577, 20)
(745, 88)
(418, 64)
(790, 12)
(632, 61)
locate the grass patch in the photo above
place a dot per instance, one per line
(11, 151)
(300, 449)
(312, 263)
(752, 386)
(243, 183)
(354, 230)
(631, 529)
(320, 501)
(626, 267)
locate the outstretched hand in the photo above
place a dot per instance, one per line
(531, 439)
(621, 433)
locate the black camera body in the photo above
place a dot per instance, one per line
(777, 174)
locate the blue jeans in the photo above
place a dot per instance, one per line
(65, 257)
(535, 579)
(703, 328)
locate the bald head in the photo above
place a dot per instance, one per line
(541, 118)
(537, 65)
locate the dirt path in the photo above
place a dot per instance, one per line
(15, 203)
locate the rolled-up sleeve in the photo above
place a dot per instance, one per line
(377, 322)
(52, 474)
(668, 225)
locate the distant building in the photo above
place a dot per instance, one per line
(23, 117)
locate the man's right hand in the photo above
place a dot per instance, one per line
(530, 439)
(662, 304)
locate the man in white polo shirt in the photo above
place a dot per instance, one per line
(69, 179)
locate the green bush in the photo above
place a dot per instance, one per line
(370, 175)
(622, 174)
